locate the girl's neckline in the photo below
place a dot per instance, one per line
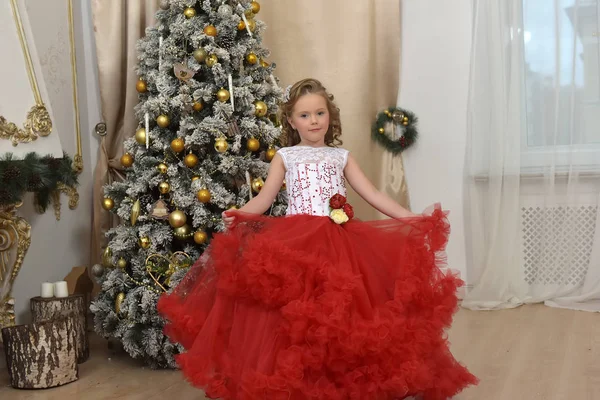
(314, 147)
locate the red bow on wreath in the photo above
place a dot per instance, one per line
(341, 211)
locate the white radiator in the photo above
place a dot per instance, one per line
(556, 243)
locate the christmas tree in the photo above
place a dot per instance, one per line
(206, 135)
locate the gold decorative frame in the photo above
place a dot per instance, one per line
(78, 157)
(15, 237)
(38, 121)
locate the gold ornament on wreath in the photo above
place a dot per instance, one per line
(255, 7)
(395, 129)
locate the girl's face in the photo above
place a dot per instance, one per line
(310, 117)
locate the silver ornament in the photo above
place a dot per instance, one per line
(225, 10)
(97, 270)
(164, 4)
(397, 116)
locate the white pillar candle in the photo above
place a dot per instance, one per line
(47, 290)
(61, 289)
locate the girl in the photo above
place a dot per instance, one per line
(317, 305)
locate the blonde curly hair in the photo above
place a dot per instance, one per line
(291, 137)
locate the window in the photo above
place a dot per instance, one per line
(562, 80)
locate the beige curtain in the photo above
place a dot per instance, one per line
(353, 48)
(117, 25)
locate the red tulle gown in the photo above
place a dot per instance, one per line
(299, 307)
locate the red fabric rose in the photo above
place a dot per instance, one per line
(337, 201)
(348, 210)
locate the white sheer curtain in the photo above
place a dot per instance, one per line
(533, 155)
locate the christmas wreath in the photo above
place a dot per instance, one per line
(395, 129)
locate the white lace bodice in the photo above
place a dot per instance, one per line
(312, 176)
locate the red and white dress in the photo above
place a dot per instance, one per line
(299, 307)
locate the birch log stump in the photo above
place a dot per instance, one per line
(48, 309)
(41, 356)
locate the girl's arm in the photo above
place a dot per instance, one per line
(272, 186)
(361, 185)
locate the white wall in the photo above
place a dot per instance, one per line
(434, 73)
(58, 246)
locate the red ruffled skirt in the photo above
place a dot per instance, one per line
(299, 307)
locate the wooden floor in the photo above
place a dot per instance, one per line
(529, 353)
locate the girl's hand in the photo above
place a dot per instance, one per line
(228, 218)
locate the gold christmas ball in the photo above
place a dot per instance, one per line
(221, 145)
(381, 130)
(283, 186)
(177, 219)
(223, 95)
(189, 12)
(108, 203)
(200, 237)
(183, 232)
(255, 7)
(200, 55)
(249, 13)
(178, 145)
(387, 113)
(251, 58)
(140, 136)
(162, 168)
(141, 86)
(127, 160)
(257, 184)
(211, 60)
(241, 25)
(164, 187)
(233, 207)
(260, 108)
(253, 144)
(163, 121)
(203, 195)
(119, 301)
(122, 263)
(195, 178)
(251, 25)
(270, 153)
(144, 242)
(197, 106)
(190, 160)
(263, 63)
(210, 30)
